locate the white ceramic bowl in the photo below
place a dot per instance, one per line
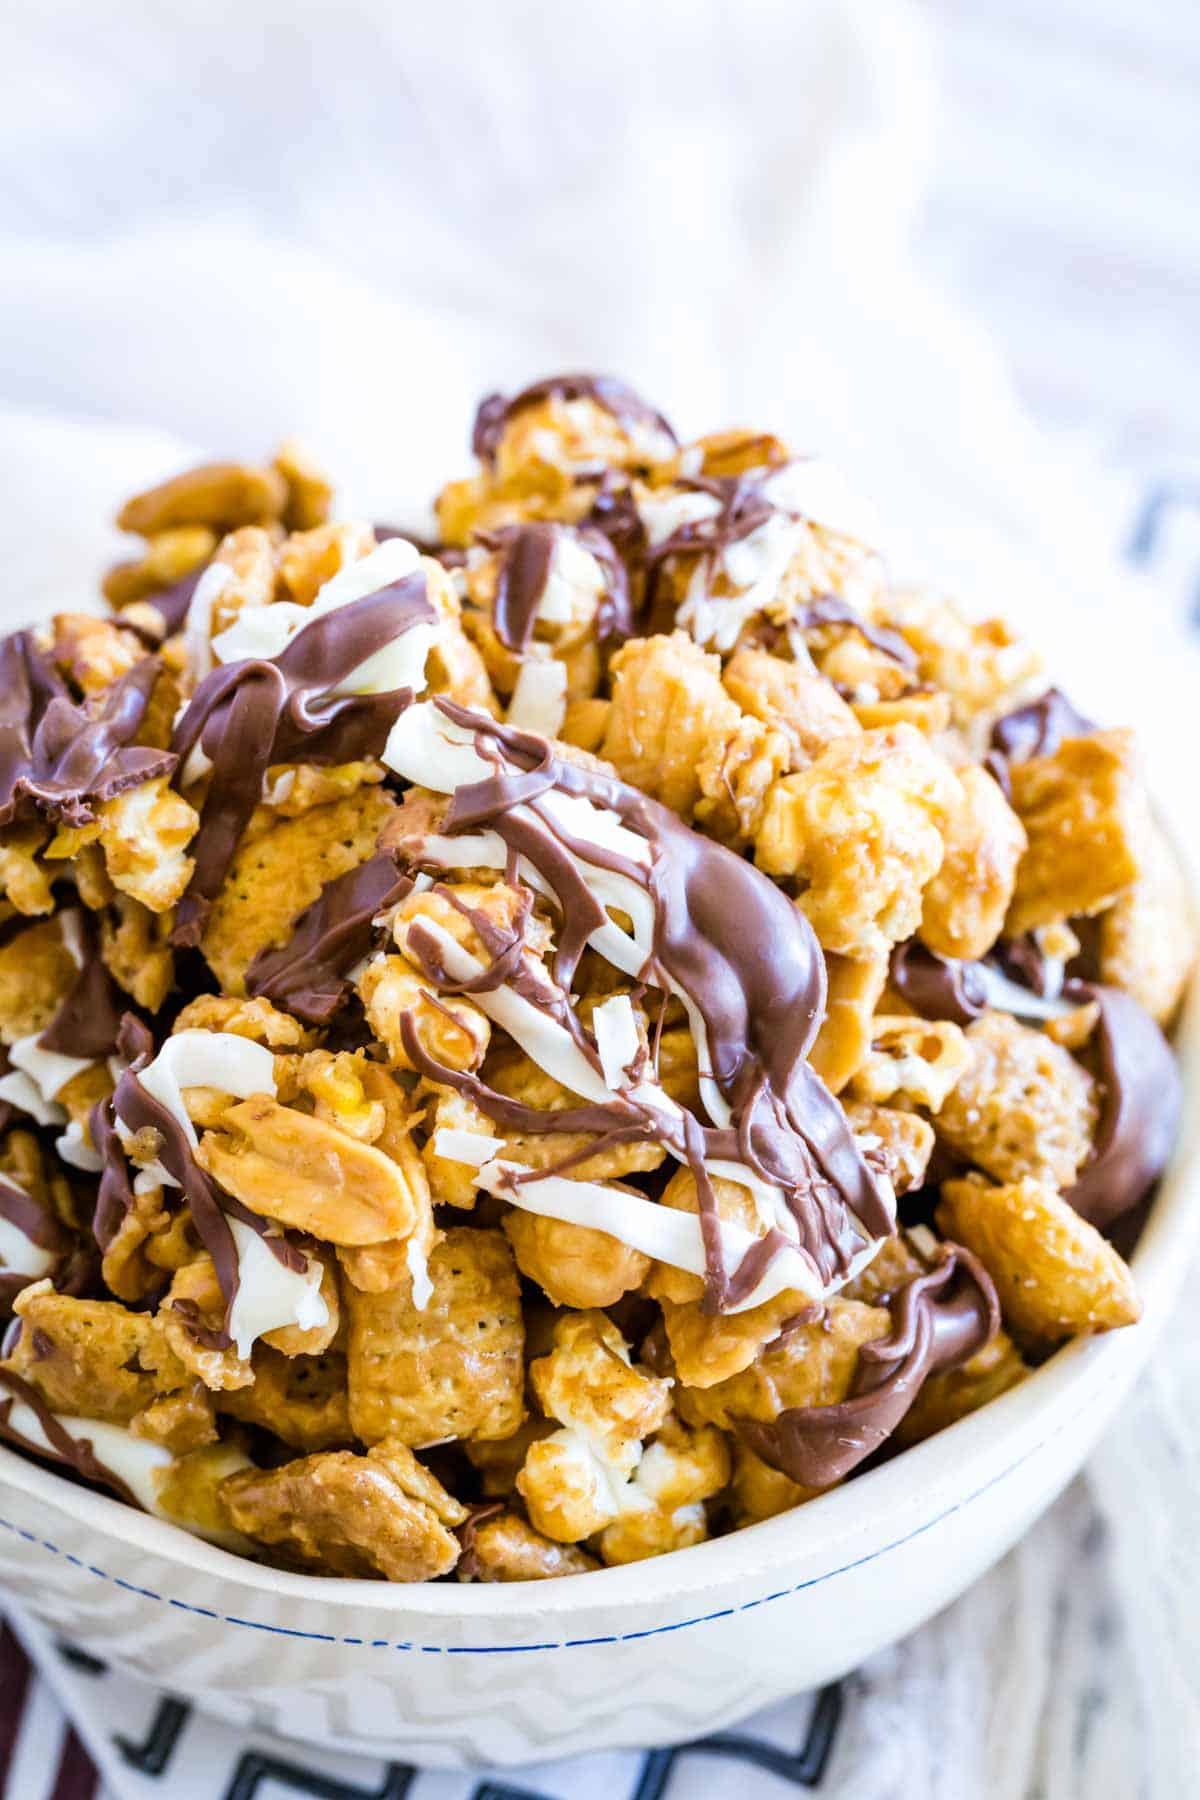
(652, 1653)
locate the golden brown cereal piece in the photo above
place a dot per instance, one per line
(1055, 1275)
(668, 709)
(757, 1491)
(965, 903)
(248, 558)
(945, 1398)
(664, 1509)
(556, 435)
(287, 1166)
(893, 1266)
(451, 1183)
(295, 788)
(844, 1035)
(904, 1141)
(335, 1081)
(983, 665)
(36, 973)
(91, 1357)
(499, 1460)
(454, 1032)
(254, 1019)
(24, 881)
(92, 651)
(737, 452)
(572, 1481)
(193, 1309)
(573, 1265)
(1024, 1106)
(678, 1072)
(862, 827)
(811, 1365)
(505, 1547)
(190, 1490)
(378, 1515)
(1085, 812)
(585, 724)
(736, 774)
(130, 1264)
(806, 708)
(309, 489)
(275, 875)
(1148, 936)
(136, 952)
(454, 666)
(182, 1421)
(168, 556)
(710, 1347)
(303, 1400)
(314, 1340)
(453, 1369)
(309, 559)
(221, 495)
(587, 1382)
(144, 834)
(913, 1062)
(930, 712)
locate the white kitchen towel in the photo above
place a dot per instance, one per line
(222, 221)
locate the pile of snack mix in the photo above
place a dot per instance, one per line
(526, 1052)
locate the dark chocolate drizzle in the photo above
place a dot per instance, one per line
(76, 1453)
(526, 554)
(248, 715)
(59, 758)
(33, 1217)
(87, 1022)
(1036, 729)
(733, 942)
(1139, 1117)
(308, 975)
(496, 410)
(939, 1320)
(937, 987)
(114, 1195)
(829, 609)
(172, 603)
(136, 1110)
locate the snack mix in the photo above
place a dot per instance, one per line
(528, 1051)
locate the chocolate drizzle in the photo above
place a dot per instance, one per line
(59, 758)
(939, 1320)
(76, 1453)
(87, 1022)
(829, 609)
(937, 987)
(308, 976)
(1139, 1117)
(35, 1219)
(136, 1110)
(735, 945)
(1036, 729)
(526, 559)
(247, 715)
(496, 410)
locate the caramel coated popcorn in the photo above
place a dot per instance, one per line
(524, 1053)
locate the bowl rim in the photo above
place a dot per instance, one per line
(856, 1522)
